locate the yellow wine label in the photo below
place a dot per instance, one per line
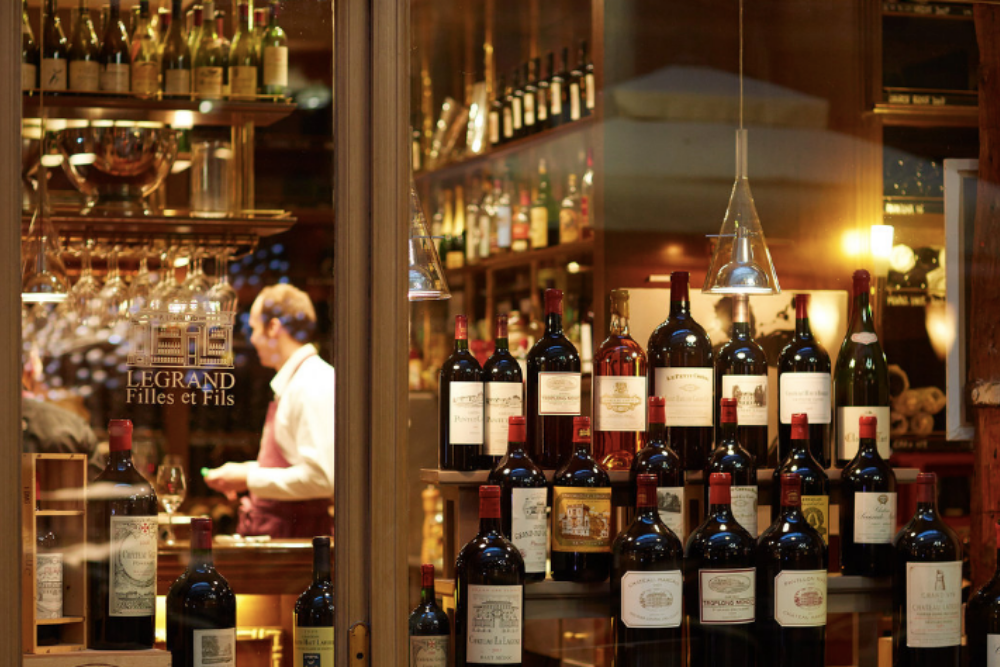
(581, 519)
(313, 647)
(816, 510)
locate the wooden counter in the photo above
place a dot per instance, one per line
(279, 567)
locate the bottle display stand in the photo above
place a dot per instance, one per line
(153, 658)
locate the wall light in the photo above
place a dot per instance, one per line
(880, 243)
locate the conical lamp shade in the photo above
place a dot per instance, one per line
(426, 275)
(741, 263)
(43, 275)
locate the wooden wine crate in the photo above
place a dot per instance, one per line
(61, 480)
(153, 658)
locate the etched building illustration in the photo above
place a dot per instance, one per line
(159, 339)
(495, 615)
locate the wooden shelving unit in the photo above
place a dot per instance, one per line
(923, 115)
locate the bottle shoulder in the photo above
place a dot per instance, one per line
(553, 348)
(491, 552)
(643, 535)
(804, 355)
(502, 367)
(865, 470)
(923, 539)
(461, 366)
(728, 458)
(518, 471)
(581, 471)
(716, 538)
(790, 537)
(655, 459)
(681, 330)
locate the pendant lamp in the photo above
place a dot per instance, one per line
(43, 274)
(426, 275)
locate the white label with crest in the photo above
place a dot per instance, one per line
(503, 400)
(620, 403)
(800, 598)
(807, 393)
(688, 394)
(934, 604)
(652, 599)
(558, 393)
(750, 392)
(495, 620)
(466, 413)
(670, 503)
(745, 507)
(727, 596)
(874, 517)
(529, 527)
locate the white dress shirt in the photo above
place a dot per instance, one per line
(303, 430)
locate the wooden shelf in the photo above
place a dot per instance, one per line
(58, 513)
(515, 260)
(65, 620)
(927, 115)
(76, 656)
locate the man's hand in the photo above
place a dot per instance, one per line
(230, 479)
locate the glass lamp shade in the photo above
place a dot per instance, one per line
(741, 263)
(426, 275)
(43, 274)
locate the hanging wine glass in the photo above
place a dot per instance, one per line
(84, 295)
(222, 293)
(193, 293)
(165, 291)
(139, 293)
(114, 296)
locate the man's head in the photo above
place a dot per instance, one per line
(282, 320)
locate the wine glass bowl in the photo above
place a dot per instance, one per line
(171, 489)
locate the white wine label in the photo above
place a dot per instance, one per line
(85, 75)
(132, 584)
(503, 400)
(934, 604)
(529, 530)
(848, 427)
(670, 504)
(574, 101)
(508, 123)
(689, 394)
(29, 74)
(314, 647)
(620, 403)
(652, 599)
(556, 95)
(727, 596)
(591, 93)
(177, 82)
(214, 648)
(115, 78)
(276, 66)
(145, 78)
(542, 106)
(518, 113)
(494, 127)
(581, 519)
(805, 392)
(495, 623)
(558, 393)
(505, 223)
(208, 81)
(569, 228)
(539, 230)
(54, 73)
(49, 582)
(750, 392)
(992, 650)
(874, 517)
(800, 598)
(243, 82)
(816, 510)
(529, 110)
(429, 651)
(864, 338)
(745, 507)
(465, 413)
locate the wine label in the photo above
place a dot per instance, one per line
(494, 127)
(933, 604)
(805, 392)
(504, 223)
(620, 403)
(574, 101)
(465, 413)
(243, 82)
(569, 227)
(543, 106)
(54, 74)
(85, 75)
(750, 392)
(539, 232)
(689, 394)
(727, 596)
(529, 110)
(508, 123)
(214, 648)
(484, 234)
(816, 510)
(848, 426)
(429, 651)
(992, 650)
(864, 338)
(276, 66)
(49, 585)
(556, 95)
(503, 400)
(177, 82)
(115, 78)
(132, 584)
(581, 519)
(29, 76)
(314, 647)
(874, 517)
(145, 78)
(558, 393)
(800, 598)
(208, 81)
(518, 112)
(591, 93)
(652, 599)
(529, 527)
(495, 623)
(745, 507)
(670, 506)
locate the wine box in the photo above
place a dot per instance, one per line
(153, 658)
(53, 492)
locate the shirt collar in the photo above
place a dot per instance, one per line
(281, 379)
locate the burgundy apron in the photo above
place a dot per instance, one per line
(282, 518)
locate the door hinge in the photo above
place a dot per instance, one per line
(359, 642)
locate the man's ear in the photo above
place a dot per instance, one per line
(273, 327)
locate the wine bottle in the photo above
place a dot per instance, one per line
(503, 224)
(507, 112)
(116, 56)
(524, 494)
(619, 392)
(496, 112)
(243, 59)
(121, 561)
(274, 56)
(553, 388)
(569, 214)
(210, 59)
(577, 92)
(861, 379)
(659, 459)
(720, 584)
(557, 87)
(791, 586)
(201, 608)
(804, 386)
(517, 105)
(741, 374)
(314, 612)
(647, 587)
(867, 508)
(226, 47)
(489, 593)
(927, 587)
(84, 53)
(530, 98)
(541, 96)
(460, 384)
(681, 371)
(564, 82)
(982, 618)
(504, 386)
(29, 52)
(815, 484)
(429, 626)
(55, 51)
(176, 58)
(587, 198)
(194, 34)
(539, 232)
(487, 215)
(48, 578)
(582, 519)
(521, 232)
(590, 92)
(730, 456)
(145, 55)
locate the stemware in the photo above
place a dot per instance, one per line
(164, 293)
(84, 295)
(222, 295)
(140, 292)
(114, 296)
(171, 489)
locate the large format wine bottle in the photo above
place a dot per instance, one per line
(145, 55)
(741, 374)
(460, 396)
(927, 587)
(861, 379)
(646, 587)
(791, 586)
(201, 608)
(867, 508)
(553, 390)
(55, 51)
(121, 560)
(582, 523)
(982, 618)
(211, 58)
(84, 53)
(48, 578)
(313, 630)
(815, 485)
(804, 386)
(619, 392)
(719, 584)
(489, 594)
(680, 370)
(274, 57)
(429, 626)
(176, 59)
(659, 459)
(115, 56)
(504, 393)
(730, 456)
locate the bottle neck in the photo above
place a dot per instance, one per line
(802, 329)
(791, 513)
(800, 449)
(461, 344)
(861, 317)
(619, 324)
(553, 324)
(121, 459)
(515, 448)
(321, 563)
(680, 308)
(427, 595)
(868, 446)
(175, 12)
(489, 525)
(657, 435)
(201, 559)
(502, 344)
(728, 433)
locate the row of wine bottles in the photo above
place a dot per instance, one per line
(475, 401)
(160, 56)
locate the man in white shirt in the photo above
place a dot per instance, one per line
(290, 484)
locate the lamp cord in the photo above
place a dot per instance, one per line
(741, 64)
